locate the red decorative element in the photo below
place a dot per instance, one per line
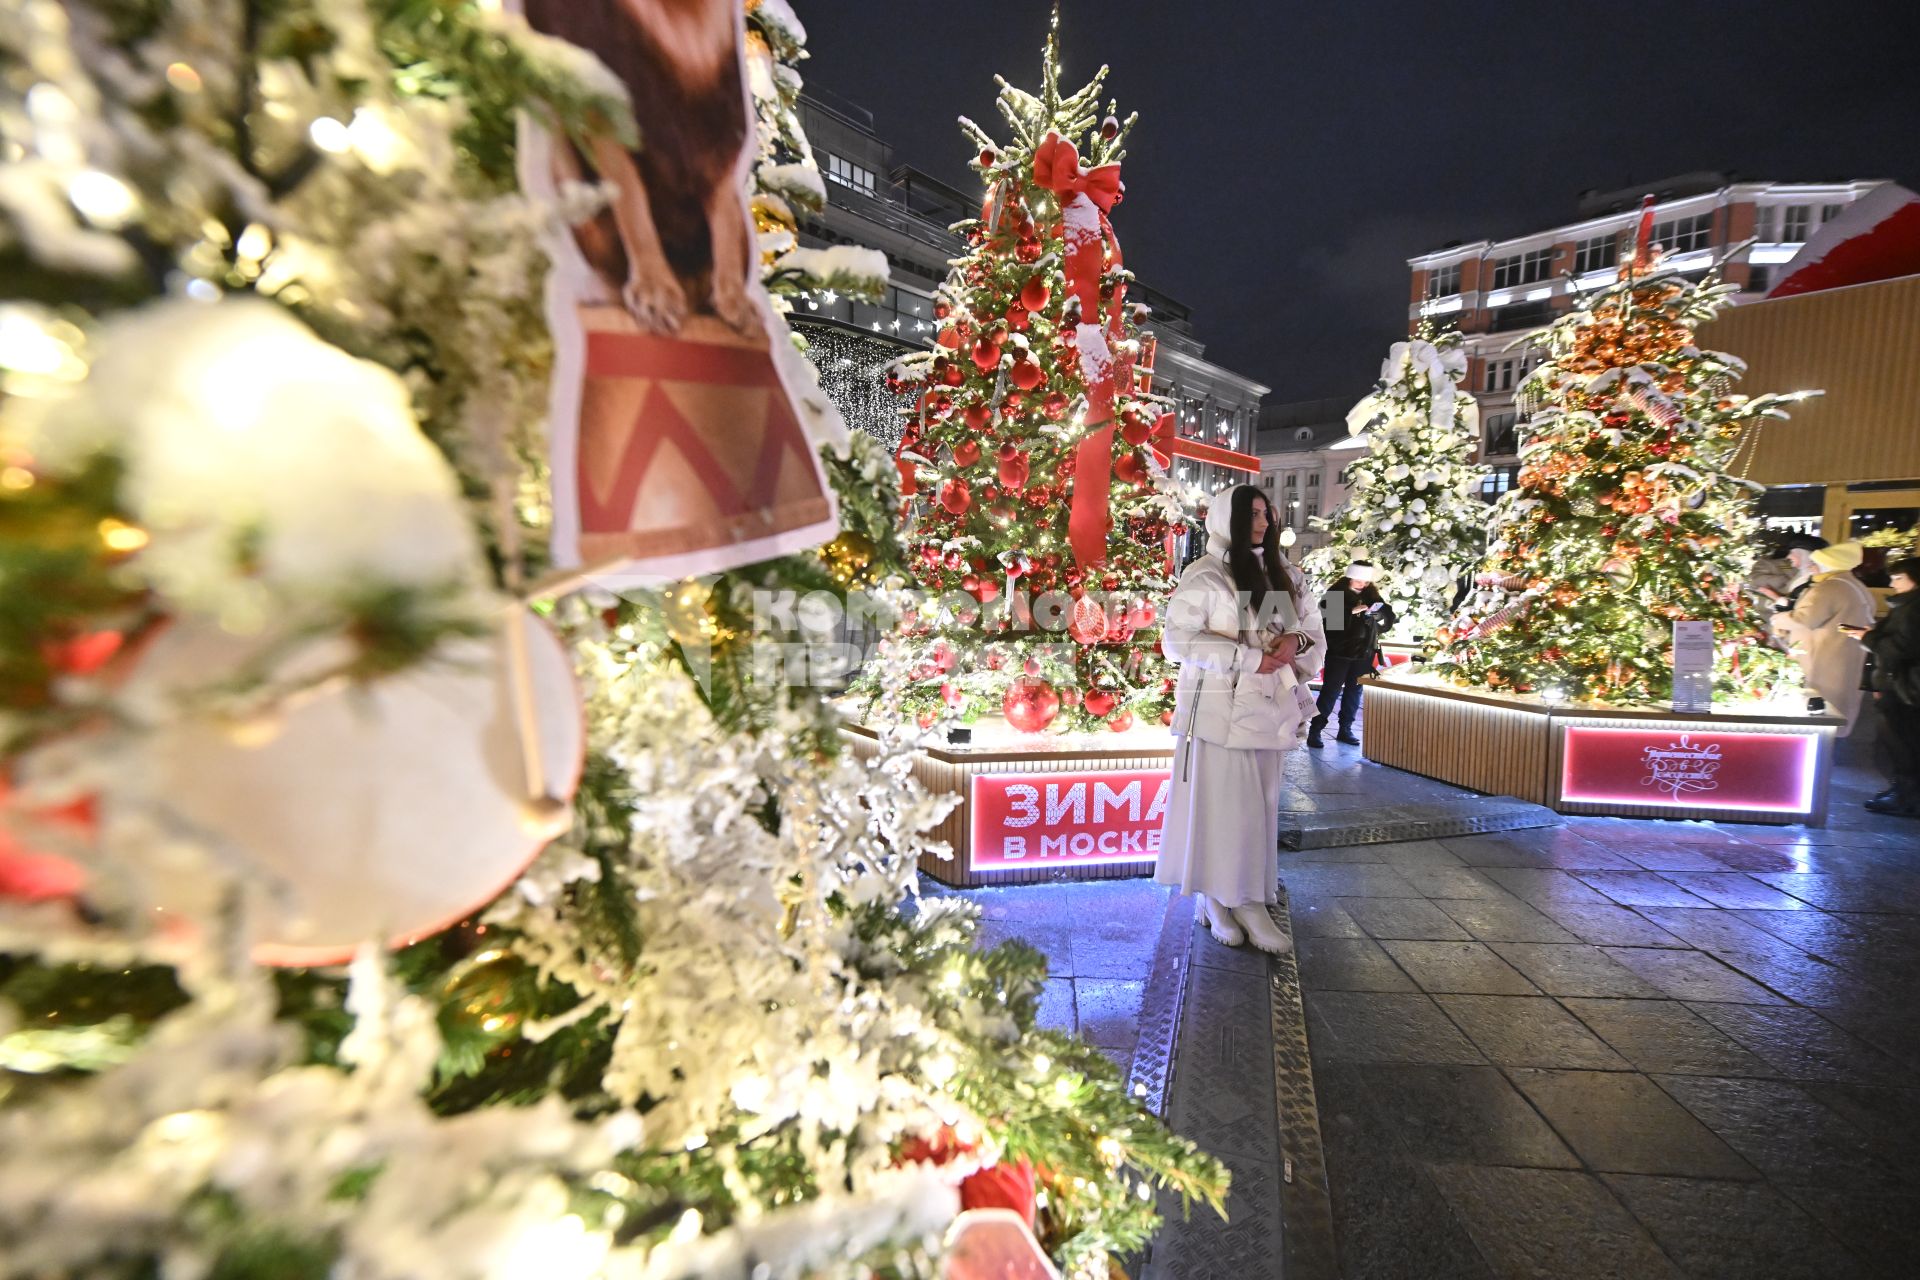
(1643, 238)
(979, 416)
(1088, 622)
(986, 356)
(1026, 374)
(1121, 723)
(987, 158)
(949, 337)
(1136, 428)
(1030, 704)
(966, 453)
(1034, 294)
(1028, 251)
(1036, 819)
(942, 656)
(1101, 702)
(1055, 405)
(1877, 237)
(29, 875)
(956, 496)
(1013, 468)
(1017, 316)
(1133, 469)
(1168, 445)
(1056, 166)
(83, 655)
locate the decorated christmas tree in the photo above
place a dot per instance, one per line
(1411, 508)
(1037, 494)
(373, 902)
(1630, 513)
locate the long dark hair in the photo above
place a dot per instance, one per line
(1256, 575)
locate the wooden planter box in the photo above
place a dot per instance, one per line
(1081, 812)
(1727, 767)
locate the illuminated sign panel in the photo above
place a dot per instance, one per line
(1038, 819)
(1665, 766)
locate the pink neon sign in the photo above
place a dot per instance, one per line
(1756, 772)
(1089, 819)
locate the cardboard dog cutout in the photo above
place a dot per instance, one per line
(684, 425)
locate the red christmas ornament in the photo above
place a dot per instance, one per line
(1055, 405)
(1026, 374)
(995, 659)
(953, 561)
(1088, 623)
(1017, 316)
(1013, 468)
(1070, 696)
(1110, 128)
(942, 656)
(979, 416)
(942, 308)
(1034, 293)
(1136, 428)
(1028, 251)
(1002, 512)
(1121, 722)
(1101, 702)
(950, 693)
(966, 453)
(1031, 666)
(986, 356)
(1030, 704)
(987, 158)
(985, 590)
(1133, 469)
(954, 376)
(956, 496)
(949, 337)
(1039, 496)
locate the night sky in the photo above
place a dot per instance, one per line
(1290, 157)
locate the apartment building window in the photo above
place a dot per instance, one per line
(1497, 482)
(1759, 279)
(1443, 282)
(1829, 211)
(1684, 235)
(1313, 481)
(1598, 253)
(848, 174)
(1291, 478)
(1502, 439)
(1500, 374)
(1795, 223)
(1522, 268)
(1267, 480)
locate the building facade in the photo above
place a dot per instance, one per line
(1304, 449)
(1495, 292)
(874, 201)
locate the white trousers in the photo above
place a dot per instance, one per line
(1222, 835)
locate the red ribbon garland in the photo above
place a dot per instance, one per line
(1056, 166)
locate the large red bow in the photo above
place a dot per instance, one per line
(1056, 166)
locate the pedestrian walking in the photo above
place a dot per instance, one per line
(1894, 642)
(1355, 617)
(1243, 629)
(1816, 629)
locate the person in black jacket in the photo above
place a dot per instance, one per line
(1356, 618)
(1895, 644)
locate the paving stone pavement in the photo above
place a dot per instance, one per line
(1615, 1048)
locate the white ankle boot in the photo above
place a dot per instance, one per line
(1264, 933)
(1221, 922)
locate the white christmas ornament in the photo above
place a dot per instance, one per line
(383, 810)
(270, 469)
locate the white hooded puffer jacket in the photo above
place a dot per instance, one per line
(1220, 696)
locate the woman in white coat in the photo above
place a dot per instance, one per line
(1831, 660)
(1247, 637)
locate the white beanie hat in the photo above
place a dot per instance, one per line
(1361, 571)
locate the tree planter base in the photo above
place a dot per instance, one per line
(1082, 811)
(1719, 766)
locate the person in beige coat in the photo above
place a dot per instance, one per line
(1830, 659)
